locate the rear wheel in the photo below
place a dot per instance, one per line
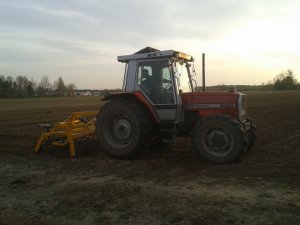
(123, 128)
(219, 139)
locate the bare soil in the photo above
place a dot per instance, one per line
(172, 186)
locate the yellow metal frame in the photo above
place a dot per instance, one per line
(78, 125)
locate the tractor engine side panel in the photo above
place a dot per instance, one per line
(211, 103)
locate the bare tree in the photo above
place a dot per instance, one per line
(44, 86)
(22, 83)
(61, 87)
(70, 88)
(45, 83)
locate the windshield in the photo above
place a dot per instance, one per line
(182, 75)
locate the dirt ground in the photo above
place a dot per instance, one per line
(162, 187)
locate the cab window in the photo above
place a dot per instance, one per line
(155, 81)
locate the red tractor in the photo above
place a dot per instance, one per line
(155, 107)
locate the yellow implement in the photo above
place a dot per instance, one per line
(80, 125)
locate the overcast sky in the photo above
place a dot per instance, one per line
(246, 42)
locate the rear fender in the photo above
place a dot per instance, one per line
(140, 98)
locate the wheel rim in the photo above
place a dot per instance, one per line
(118, 131)
(122, 129)
(217, 141)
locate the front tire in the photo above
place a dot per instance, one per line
(219, 139)
(123, 128)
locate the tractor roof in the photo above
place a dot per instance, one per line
(149, 53)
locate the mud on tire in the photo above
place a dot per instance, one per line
(123, 128)
(219, 139)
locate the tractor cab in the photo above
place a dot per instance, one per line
(161, 76)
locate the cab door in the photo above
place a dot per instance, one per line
(155, 80)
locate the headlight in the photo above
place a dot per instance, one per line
(242, 107)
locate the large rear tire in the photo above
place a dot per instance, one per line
(123, 128)
(219, 139)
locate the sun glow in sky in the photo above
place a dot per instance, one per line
(246, 42)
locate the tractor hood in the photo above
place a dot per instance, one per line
(210, 100)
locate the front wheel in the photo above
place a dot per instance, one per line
(219, 139)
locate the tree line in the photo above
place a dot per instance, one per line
(286, 80)
(22, 87)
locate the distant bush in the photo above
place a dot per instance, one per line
(286, 81)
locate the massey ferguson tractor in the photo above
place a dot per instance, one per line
(155, 107)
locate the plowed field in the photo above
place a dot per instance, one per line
(162, 187)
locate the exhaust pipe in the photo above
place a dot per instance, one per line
(203, 72)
